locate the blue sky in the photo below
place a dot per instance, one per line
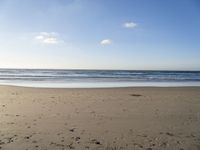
(100, 34)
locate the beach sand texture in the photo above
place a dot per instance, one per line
(100, 119)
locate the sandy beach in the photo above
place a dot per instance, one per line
(100, 119)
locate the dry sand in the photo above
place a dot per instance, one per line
(99, 119)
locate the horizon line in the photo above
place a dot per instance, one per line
(99, 69)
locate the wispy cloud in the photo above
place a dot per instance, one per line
(48, 38)
(106, 42)
(130, 24)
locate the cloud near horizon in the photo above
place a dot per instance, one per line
(106, 42)
(130, 24)
(47, 38)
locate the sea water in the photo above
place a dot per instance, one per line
(97, 78)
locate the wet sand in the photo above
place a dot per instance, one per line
(100, 119)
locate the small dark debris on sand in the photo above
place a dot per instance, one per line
(72, 130)
(137, 95)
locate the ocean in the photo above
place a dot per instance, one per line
(97, 78)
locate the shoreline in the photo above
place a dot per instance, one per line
(138, 118)
(99, 87)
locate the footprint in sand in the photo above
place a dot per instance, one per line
(170, 134)
(34, 141)
(95, 141)
(77, 138)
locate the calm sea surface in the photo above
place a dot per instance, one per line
(97, 78)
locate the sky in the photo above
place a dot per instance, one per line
(100, 34)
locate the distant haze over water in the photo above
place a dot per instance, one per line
(97, 78)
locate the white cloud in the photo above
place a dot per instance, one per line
(130, 25)
(106, 42)
(48, 38)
